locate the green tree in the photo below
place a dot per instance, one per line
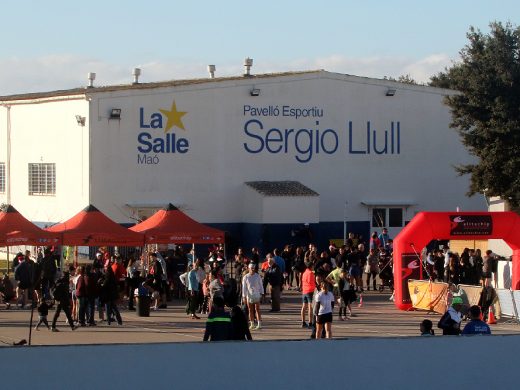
(486, 111)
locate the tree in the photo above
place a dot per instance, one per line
(486, 111)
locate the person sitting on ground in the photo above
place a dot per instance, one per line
(476, 325)
(7, 291)
(427, 328)
(218, 325)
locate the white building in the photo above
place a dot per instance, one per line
(373, 152)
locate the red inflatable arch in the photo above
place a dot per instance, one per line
(427, 226)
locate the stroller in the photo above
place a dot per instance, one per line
(385, 274)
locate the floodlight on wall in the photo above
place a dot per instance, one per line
(255, 92)
(115, 113)
(390, 92)
(81, 120)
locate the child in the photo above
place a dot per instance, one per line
(43, 312)
(427, 328)
(348, 295)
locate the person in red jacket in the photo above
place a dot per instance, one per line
(308, 283)
(81, 295)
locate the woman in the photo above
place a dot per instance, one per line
(111, 295)
(372, 268)
(324, 301)
(252, 291)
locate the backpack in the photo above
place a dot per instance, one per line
(60, 291)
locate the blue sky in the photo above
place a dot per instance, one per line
(53, 44)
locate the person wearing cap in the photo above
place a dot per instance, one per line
(252, 292)
(451, 320)
(476, 325)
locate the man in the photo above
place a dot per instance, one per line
(280, 262)
(218, 325)
(48, 266)
(81, 295)
(451, 320)
(476, 325)
(274, 277)
(384, 238)
(62, 296)
(23, 277)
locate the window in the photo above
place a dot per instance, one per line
(395, 217)
(380, 216)
(42, 179)
(2, 178)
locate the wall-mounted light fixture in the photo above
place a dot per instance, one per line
(81, 120)
(390, 92)
(115, 113)
(255, 92)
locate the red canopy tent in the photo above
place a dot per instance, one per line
(170, 225)
(90, 227)
(15, 229)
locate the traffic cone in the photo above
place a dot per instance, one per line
(360, 300)
(491, 316)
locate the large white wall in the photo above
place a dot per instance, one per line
(208, 178)
(439, 362)
(47, 132)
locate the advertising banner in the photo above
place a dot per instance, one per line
(411, 270)
(471, 225)
(428, 295)
(470, 294)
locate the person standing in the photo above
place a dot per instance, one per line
(111, 295)
(476, 325)
(324, 301)
(372, 268)
(252, 292)
(193, 291)
(308, 287)
(218, 325)
(81, 295)
(274, 277)
(451, 320)
(487, 268)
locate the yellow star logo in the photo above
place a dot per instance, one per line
(174, 118)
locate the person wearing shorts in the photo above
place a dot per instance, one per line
(324, 301)
(308, 283)
(252, 292)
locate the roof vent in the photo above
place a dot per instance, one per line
(136, 73)
(248, 63)
(211, 70)
(91, 77)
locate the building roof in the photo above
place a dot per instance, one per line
(250, 79)
(281, 188)
(160, 84)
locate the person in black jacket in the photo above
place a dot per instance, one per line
(61, 294)
(274, 277)
(239, 324)
(218, 325)
(110, 294)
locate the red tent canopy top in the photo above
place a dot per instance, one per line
(15, 229)
(170, 225)
(90, 227)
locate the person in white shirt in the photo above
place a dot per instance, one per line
(324, 301)
(252, 291)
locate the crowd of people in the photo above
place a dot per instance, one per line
(327, 280)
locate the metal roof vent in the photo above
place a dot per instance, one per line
(211, 70)
(248, 63)
(91, 77)
(136, 73)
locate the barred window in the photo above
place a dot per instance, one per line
(42, 179)
(2, 177)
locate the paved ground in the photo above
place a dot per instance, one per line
(377, 318)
